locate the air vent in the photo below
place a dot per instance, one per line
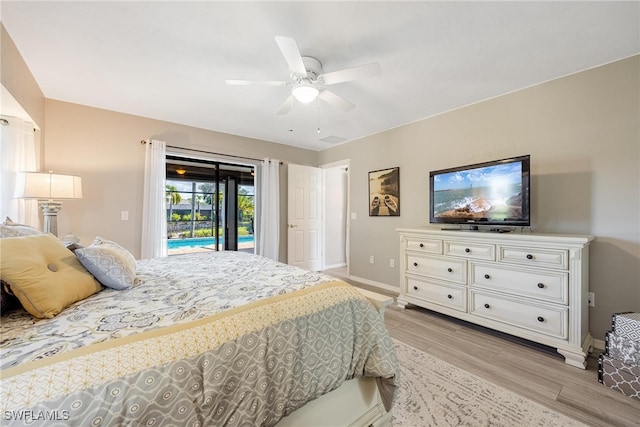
(332, 139)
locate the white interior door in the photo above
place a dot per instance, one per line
(335, 214)
(304, 219)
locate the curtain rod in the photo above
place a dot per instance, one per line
(209, 152)
(5, 122)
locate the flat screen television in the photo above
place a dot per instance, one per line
(493, 193)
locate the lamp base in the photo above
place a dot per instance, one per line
(50, 211)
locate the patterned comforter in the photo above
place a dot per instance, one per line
(222, 338)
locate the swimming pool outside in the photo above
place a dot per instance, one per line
(202, 241)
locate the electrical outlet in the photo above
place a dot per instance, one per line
(372, 260)
(392, 263)
(592, 299)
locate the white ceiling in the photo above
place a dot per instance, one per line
(169, 60)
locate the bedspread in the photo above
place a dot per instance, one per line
(247, 365)
(166, 291)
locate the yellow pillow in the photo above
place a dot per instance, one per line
(44, 275)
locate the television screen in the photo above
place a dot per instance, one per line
(490, 193)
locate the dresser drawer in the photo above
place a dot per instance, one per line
(547, 320)
(453, 270)
(543, 285)
(447, 295)
(555, 258)
(432, 246)
(470, 250)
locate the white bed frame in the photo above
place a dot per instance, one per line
(356, 403)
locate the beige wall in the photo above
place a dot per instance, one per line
(582, 133)
(18, 80)
(103, 147)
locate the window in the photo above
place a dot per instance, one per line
(210, 206)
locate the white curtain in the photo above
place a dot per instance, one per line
(269, 203)
(17, 154)
(154, 215)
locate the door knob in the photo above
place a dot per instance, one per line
(293, 225)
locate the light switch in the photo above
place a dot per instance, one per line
(354, 215)
(124, 216)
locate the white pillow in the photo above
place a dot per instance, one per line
(12, 229)
(111, 264)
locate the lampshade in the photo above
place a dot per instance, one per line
(305, 93)
(47, 186)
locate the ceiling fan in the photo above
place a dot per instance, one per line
(308, 80)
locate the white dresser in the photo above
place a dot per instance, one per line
(534, 286)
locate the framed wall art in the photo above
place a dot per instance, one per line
(384, 192)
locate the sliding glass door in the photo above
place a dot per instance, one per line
(210, 206)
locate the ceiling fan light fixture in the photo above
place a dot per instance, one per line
(305, 93)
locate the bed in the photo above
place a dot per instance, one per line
(205, 339)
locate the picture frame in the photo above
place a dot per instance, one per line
(384, 192)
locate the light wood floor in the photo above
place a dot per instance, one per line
(533, 371)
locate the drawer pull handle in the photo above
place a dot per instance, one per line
(450, 296)
(415, 264)
(415, 288)
(540, 319)
(450, 270)
(529, 256)
(422, 245)
(467, 250)
(486, 276)
(487, 306)
(541, 285)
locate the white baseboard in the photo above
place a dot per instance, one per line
(598, 344)
(328, 267)
(374, 283)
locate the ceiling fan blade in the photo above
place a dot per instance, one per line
(362, 71)
(336, 100)
(291, 53)
(286, 106)
(251, 82)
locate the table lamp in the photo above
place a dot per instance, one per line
(49, 189)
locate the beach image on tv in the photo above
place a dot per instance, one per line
(492, 193)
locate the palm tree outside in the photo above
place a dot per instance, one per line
(245, 209)
(173, 198)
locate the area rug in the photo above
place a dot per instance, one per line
(436, 393)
